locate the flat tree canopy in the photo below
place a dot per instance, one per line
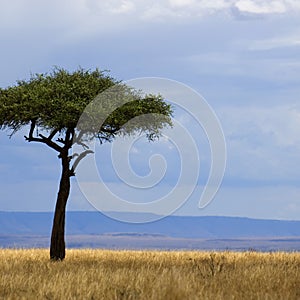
(56, 101)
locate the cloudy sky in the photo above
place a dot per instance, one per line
(242, 56)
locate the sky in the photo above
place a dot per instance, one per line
(242, 56)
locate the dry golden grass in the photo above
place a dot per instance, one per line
(105, 274)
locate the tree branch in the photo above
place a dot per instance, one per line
(42, 139)
(110, 130)
(50, 143)
(53, 133)
(77, 140)
(78, 159)
(32, 127)
(103, 137)
(69, 138)
(30, 137)
(61, 140)
(82, 144)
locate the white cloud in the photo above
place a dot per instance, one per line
(261, 7)
(110, 7)
(88, 14)
(293, 4)
(124, 7)
(181, 3)
(263, 142)
(273, 43)
(276, 126)
(269, 57)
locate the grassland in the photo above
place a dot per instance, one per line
(105, 274)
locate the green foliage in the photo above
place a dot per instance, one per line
(56, 101)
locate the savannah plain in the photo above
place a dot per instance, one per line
(109, 274)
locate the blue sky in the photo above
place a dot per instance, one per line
(242, 56)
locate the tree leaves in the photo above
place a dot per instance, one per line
(56, 101)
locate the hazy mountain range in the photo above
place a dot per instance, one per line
(93, 229)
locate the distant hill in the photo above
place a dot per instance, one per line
(93, 229)
(82, 223)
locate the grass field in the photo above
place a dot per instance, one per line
(107, 274)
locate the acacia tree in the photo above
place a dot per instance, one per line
(50, 106)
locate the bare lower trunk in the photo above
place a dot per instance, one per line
(57, 247)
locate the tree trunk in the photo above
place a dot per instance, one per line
(57, 247)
